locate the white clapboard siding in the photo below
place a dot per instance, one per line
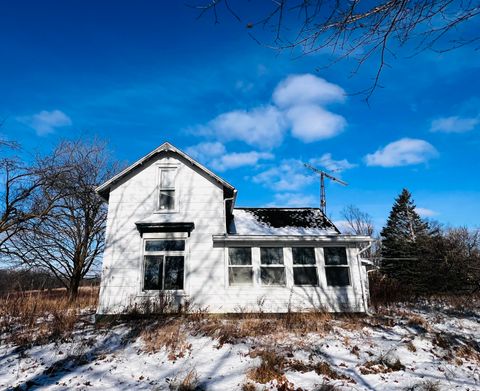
(200, 199)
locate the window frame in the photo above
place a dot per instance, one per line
(251, 266)
(311, 265)
(344, 266)
(276, 265)
(160, 188)
(164, 254)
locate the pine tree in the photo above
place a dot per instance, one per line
(400, 240)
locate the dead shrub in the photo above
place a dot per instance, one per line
(169, 334)
(248, 386)
(427, 385)
(383, 364)
(418, 322)
(37, 317)
(189, 383)
(270, 368)
(411, 347)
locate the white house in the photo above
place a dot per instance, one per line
(173, 230)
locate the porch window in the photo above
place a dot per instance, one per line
(167, 189)
(336, 266)
(164, 265)
(240, 270)
(304, 266)
(272, 267)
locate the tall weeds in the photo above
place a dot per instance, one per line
(33, 317)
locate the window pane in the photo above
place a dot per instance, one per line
(240, 255)
(167, 179)
(173, 273)
(305, 275)
(303, 255)
(337, 276)
(167, 199)
(165, 245)
(271, 255)
(272, 275)
(240, 275)
(153, 273)
(335, 256)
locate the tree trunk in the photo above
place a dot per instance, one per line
(73, 286)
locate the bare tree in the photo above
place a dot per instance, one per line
(362, 30)
(357, 222)
(25, 191)
(69, 239)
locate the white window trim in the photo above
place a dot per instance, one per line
(347, 265)
(167, 167)
(315, 265)
(252, 266)
(165, 236)
(283, 266)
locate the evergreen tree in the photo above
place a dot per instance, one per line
(401, 238)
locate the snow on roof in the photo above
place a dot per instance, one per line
(280, 221)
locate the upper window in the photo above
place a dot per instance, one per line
(240, 270)
(167, 189)
(336, 266)
(272, 268)
(304, 266)
(164, 265)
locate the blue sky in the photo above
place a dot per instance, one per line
(142, 73)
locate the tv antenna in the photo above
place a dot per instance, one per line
(323, 175)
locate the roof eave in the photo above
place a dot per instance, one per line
(332, 238)
(104, 189)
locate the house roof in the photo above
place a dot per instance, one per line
(280, 221)
(104, 189)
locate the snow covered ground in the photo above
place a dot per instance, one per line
(421, 348)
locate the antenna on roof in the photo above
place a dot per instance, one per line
(323, 175)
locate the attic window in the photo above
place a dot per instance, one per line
(167, 189)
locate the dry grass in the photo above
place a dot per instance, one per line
(418, 322)
(169, 334)
(239, 328)
(382, 364)
(36, 317)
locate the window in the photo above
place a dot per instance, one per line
(164, 265)
(304, 266)
(336, 266)
(240, 270)
(272, 268)
(167, 189)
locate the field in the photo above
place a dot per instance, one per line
(46, 343)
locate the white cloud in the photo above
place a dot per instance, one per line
(205, 151)
(46, 122)
(290, 175)
(306, 89)
(239, 159)
(330, 164)
(262, 126)
(403, 152)
(312, 123)
(425, 212)
(454, 124)
(298, 106)
(215, 156)
(294, 200)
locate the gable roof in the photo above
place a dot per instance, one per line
(104, 189)
(280, 221)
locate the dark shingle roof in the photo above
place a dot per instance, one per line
(280, 221)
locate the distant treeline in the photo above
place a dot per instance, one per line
(15, 280)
